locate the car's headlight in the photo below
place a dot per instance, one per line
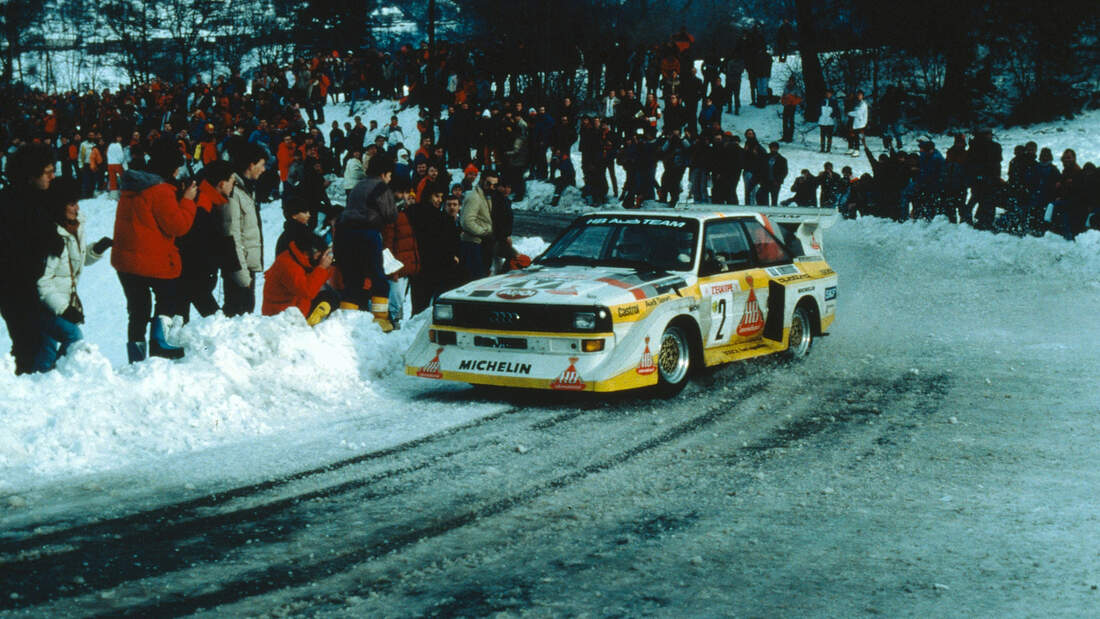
(443, 312)
(584, 321)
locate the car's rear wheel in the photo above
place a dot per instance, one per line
(674, 360)
(801, 334)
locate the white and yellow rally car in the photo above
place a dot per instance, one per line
(632, 299)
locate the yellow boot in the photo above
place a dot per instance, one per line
(319, 313)
(348, 305)
(380, 307)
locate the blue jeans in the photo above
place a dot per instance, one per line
(398, 289)
(473, 260)
(359, 254)
(750, 188)
(57, 335)
(699, 185)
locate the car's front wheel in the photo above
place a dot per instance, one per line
(674, 360)
(801, 335)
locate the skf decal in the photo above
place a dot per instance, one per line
(752, 320)
(569, 380)
(432, 369)
(628, 310)
(512, 294)
(503, 367)
(647, 366)
(830, 293)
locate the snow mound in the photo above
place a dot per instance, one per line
(241, 378)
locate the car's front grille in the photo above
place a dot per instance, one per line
(523, 317)
(511, 343)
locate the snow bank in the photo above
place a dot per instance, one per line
(241, 378)
(941, 240)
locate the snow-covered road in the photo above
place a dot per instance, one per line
(934, 455)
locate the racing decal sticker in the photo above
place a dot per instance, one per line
(752, 320)
(503, 367)
(721, 304)
(647, 366)
(779, 271)
(830, 293)
(569, 380)
(638, 293)
(432, 369)
(512, 294)
(628, 310)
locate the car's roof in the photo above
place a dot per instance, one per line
(699, 212)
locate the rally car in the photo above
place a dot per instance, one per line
(635, 299)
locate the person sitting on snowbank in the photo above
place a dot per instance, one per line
(297, 279)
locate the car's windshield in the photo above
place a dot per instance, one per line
(637, 242)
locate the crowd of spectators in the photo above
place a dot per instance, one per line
(191, 166)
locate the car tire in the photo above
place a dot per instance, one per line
(674, 360)
(801, 334)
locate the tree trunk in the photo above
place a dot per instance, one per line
(811, 64)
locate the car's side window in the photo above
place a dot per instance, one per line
(768, 249)
(725, 248)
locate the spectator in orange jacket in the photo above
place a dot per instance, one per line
(297, 279)
(285, 156)
(149, 218)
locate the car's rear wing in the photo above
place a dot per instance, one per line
(800, 228)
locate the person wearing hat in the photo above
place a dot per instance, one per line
(151, 214)
(67, 256)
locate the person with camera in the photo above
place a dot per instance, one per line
(151, 213)
(67, 256)
(297, 279)
(206, 247)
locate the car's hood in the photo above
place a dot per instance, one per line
(571, 285)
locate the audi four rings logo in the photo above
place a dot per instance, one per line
(503, 318)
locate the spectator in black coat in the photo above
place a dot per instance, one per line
(775, 172)
(25, 240)
(805, 190)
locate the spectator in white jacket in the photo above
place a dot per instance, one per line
(241, 224)
(827, 120)
(354, 170)
(116, 157)
(64, 264)
(859, 114)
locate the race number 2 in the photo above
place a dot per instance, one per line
(721, 301)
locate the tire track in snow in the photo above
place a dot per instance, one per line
(251, 583)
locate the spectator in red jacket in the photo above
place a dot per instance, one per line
(297, 279)
(150, 216)
(399, 238)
